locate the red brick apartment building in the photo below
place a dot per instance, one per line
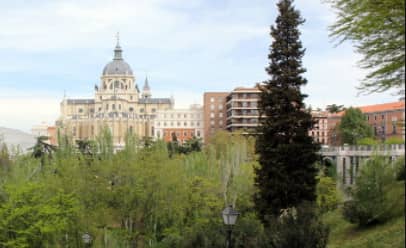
(214, 112)
(387, 120)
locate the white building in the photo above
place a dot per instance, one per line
(184, 123)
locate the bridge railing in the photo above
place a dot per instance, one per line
(381, 147)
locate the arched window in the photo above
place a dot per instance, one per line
(116, 84)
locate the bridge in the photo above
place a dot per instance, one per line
(348, 159)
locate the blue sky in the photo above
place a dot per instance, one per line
(186, 47)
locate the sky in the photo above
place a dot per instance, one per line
(51, 48)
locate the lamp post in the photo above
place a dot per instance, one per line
(230, 216)
(87, 239)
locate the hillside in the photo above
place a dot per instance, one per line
(15, 138)
(346, 235)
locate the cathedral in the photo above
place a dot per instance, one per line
(118, 105)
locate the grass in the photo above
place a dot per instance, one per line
(345, 235)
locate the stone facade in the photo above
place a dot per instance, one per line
(184, 123)
(118, 105)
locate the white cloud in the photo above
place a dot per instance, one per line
(24, 112)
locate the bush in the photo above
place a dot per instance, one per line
(377, 196)
(298, 228)
(394, 141)
(327, 195)
(367, 142)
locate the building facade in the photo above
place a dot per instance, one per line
(214, 113)
(387, 121)
(118, 105)
(184, 123)
(242, 109)
(320, 129)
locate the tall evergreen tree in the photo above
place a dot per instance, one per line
(287, 175)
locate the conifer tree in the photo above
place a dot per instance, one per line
(287, 175)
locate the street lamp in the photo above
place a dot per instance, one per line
(87, 239)
(230, 216)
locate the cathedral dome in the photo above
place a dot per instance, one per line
(118, 66)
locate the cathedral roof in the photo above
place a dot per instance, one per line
(80, 101)
(118, 66)
(155, 100)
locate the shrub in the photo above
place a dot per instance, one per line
(376, 196)
(298, 228)
(327, 196)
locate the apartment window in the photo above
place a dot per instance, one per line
(80, 110)
(142, 110)
(221, 123)
(185, 124)
(100, 97)
(192, 123)
(178, 124)
(212, 115)
(158, 124)
(211, 99)
(383, 117)
(221, 115)
(171, 123)
(165, 124)
(375, 117)
(113, 106)
(131, 109)
(184, 134)
(198, 123)
(100, 109)
(119, 106)
(153, 110)
(185, 116)
(220, 107)
(198, 133)
(212, 122)
(212, 107)
(158, 134)
(107, 106)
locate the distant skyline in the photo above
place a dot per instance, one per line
(186, 47)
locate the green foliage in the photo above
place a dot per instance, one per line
(347, 235)
(135, 197)
(367, 142)
(327, 195)
(354, 127)
(35, 217)
(394, 141)
(286, 175)
(333, 108)
(377, 28)
(299, 227)
(192, 145)
(400, 168)
(376, 197)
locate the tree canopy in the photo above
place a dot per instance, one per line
(354, 127)
(284, 181)
(377, 28)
